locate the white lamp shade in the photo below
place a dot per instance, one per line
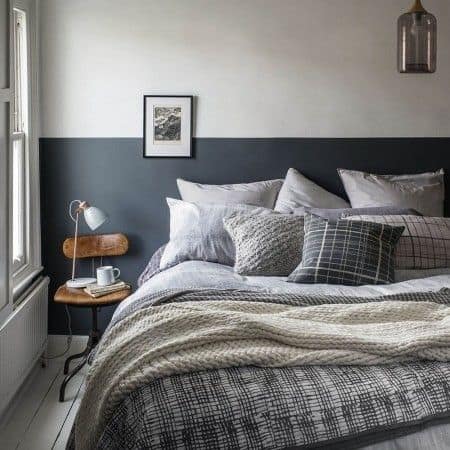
(94, 217)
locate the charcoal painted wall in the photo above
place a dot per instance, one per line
(112, 174)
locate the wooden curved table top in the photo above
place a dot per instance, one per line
(77, 297)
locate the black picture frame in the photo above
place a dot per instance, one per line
(145, 138)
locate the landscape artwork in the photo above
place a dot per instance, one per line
(168, 126)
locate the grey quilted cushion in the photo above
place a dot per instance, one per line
(268, 245)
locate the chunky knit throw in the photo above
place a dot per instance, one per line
(159, 341)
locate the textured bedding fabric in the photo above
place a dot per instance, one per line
(197, 232)
(269, 245)
(347, 252)
(152, 268)
(336, 214)
(423, 192)
(424, 243)
(223, 329)
(259, 193)
(201, 274)
(220, 406)
(252, 408)
(299, 192)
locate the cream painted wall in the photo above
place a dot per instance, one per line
(260, 68)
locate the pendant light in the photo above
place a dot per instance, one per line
(417, 41)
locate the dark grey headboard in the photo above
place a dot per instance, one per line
(112, 174)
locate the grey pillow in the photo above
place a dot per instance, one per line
(423, 192)
(346, 252)
(336, 214)
(269, 245)
(260, 193)
(300, 192)
(425, 243)
(197, 232)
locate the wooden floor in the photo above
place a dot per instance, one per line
(38, 421)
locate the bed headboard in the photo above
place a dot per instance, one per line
(113, 175)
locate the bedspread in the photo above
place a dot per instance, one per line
(150, 340)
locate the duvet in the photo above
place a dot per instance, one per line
(199, 357)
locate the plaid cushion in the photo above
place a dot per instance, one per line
(347, 252)
(425, 243)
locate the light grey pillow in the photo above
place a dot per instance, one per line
(268, 245)
(299, 192)
(423, 192)
(197, 232)
(260, 193)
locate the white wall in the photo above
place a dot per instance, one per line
(260, 68)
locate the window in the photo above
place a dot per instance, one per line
(20, 232)
(20, 134)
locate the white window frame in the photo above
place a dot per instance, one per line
(20, 135)
(23, 272)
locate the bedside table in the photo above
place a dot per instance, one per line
(78, 298)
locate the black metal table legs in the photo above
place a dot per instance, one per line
(94, 337)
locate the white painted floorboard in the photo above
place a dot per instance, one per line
(39, 421)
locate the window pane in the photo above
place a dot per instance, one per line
(20, 69)
(4, 218)
(19, 143)
(4, 44)
(18, 201)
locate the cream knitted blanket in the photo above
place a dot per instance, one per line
(156, 342)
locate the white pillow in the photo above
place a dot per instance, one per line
(299, 192)
(197, 232)
(260, 193)
(423, 192)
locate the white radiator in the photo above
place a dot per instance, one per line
(22, 341)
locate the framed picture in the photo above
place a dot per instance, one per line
(168, 126)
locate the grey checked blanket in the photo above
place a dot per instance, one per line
(196, 332)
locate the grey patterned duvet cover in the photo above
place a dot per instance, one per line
(292, 407)
(297, 407)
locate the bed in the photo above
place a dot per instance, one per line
(405, 405)
(262, 329)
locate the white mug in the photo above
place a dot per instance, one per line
(107, 275)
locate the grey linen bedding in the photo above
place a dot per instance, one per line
(176, 369)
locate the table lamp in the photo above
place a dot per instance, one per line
(94, 217)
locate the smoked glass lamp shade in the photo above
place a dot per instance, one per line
(417, 41)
